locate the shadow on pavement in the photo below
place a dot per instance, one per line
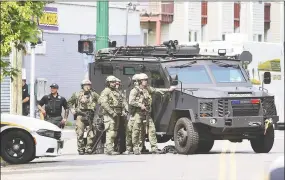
(78, 162)
(238, 152)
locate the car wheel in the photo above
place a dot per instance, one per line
(263, 143)
(205, 146)
(17, 147)
(186, 137)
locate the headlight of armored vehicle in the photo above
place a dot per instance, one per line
(206, 109)
(203, 107)
(206, 106)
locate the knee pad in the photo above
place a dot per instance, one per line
(113, 134)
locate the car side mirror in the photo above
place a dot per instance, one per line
(173, 80)
(267, 78)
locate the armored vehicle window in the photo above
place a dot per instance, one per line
(227, 74)
(129, 71)
(107, 69)
(196, 74)
(156, 79)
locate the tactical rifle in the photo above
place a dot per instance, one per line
(100, 127)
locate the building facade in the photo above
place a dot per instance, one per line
(208, 21)
(64, 24)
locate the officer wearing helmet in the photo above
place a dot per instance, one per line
(129, 145)
(140, 100)
(120, 141)
(53, 107)
(112, 110)
(82, 105)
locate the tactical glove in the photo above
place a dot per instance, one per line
(125, 113)
(114, 115)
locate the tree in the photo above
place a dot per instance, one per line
(18, 25)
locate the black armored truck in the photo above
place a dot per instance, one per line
(214, 98)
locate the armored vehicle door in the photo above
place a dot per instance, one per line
(98, 72)
(159, 101)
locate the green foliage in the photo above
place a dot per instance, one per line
(68, 123)
(18, 25)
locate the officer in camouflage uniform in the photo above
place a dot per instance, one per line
(129, 128)
(140, 102)
(83, 106)
(112, 110)
(120, 141)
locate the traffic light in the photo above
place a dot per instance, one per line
(85, 46)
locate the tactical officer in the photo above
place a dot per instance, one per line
(120, 141)
(112, 109)
(53, 107)
(129, 145)
(140, 100)
(82, 105)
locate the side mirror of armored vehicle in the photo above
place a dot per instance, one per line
(246, 57)
(267, 78)
(173, 80)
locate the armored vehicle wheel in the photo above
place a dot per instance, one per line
(186, 137)
(263, 143)
(205, 146)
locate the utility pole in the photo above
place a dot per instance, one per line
(32, 81)
(102, 27)
(132, 7)
(16, 105)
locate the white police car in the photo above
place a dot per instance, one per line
(24, 138)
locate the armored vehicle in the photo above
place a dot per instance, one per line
(214, 98)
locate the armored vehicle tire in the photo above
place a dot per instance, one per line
(205, 146)
(186, 137)
(263, 143)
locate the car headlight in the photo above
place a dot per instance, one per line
(46, 133)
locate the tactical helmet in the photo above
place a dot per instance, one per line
(86, 82)
(142, 76)
(135, 77)
(118, 80)
(111, 79)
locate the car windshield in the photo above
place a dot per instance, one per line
(227, 74)
(195, 74)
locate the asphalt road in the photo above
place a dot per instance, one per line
(226, 161)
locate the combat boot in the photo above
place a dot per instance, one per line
(137, 152)
(81, 152)
(156, 151)
(127, 152)
(89, 151)
(112, 153)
